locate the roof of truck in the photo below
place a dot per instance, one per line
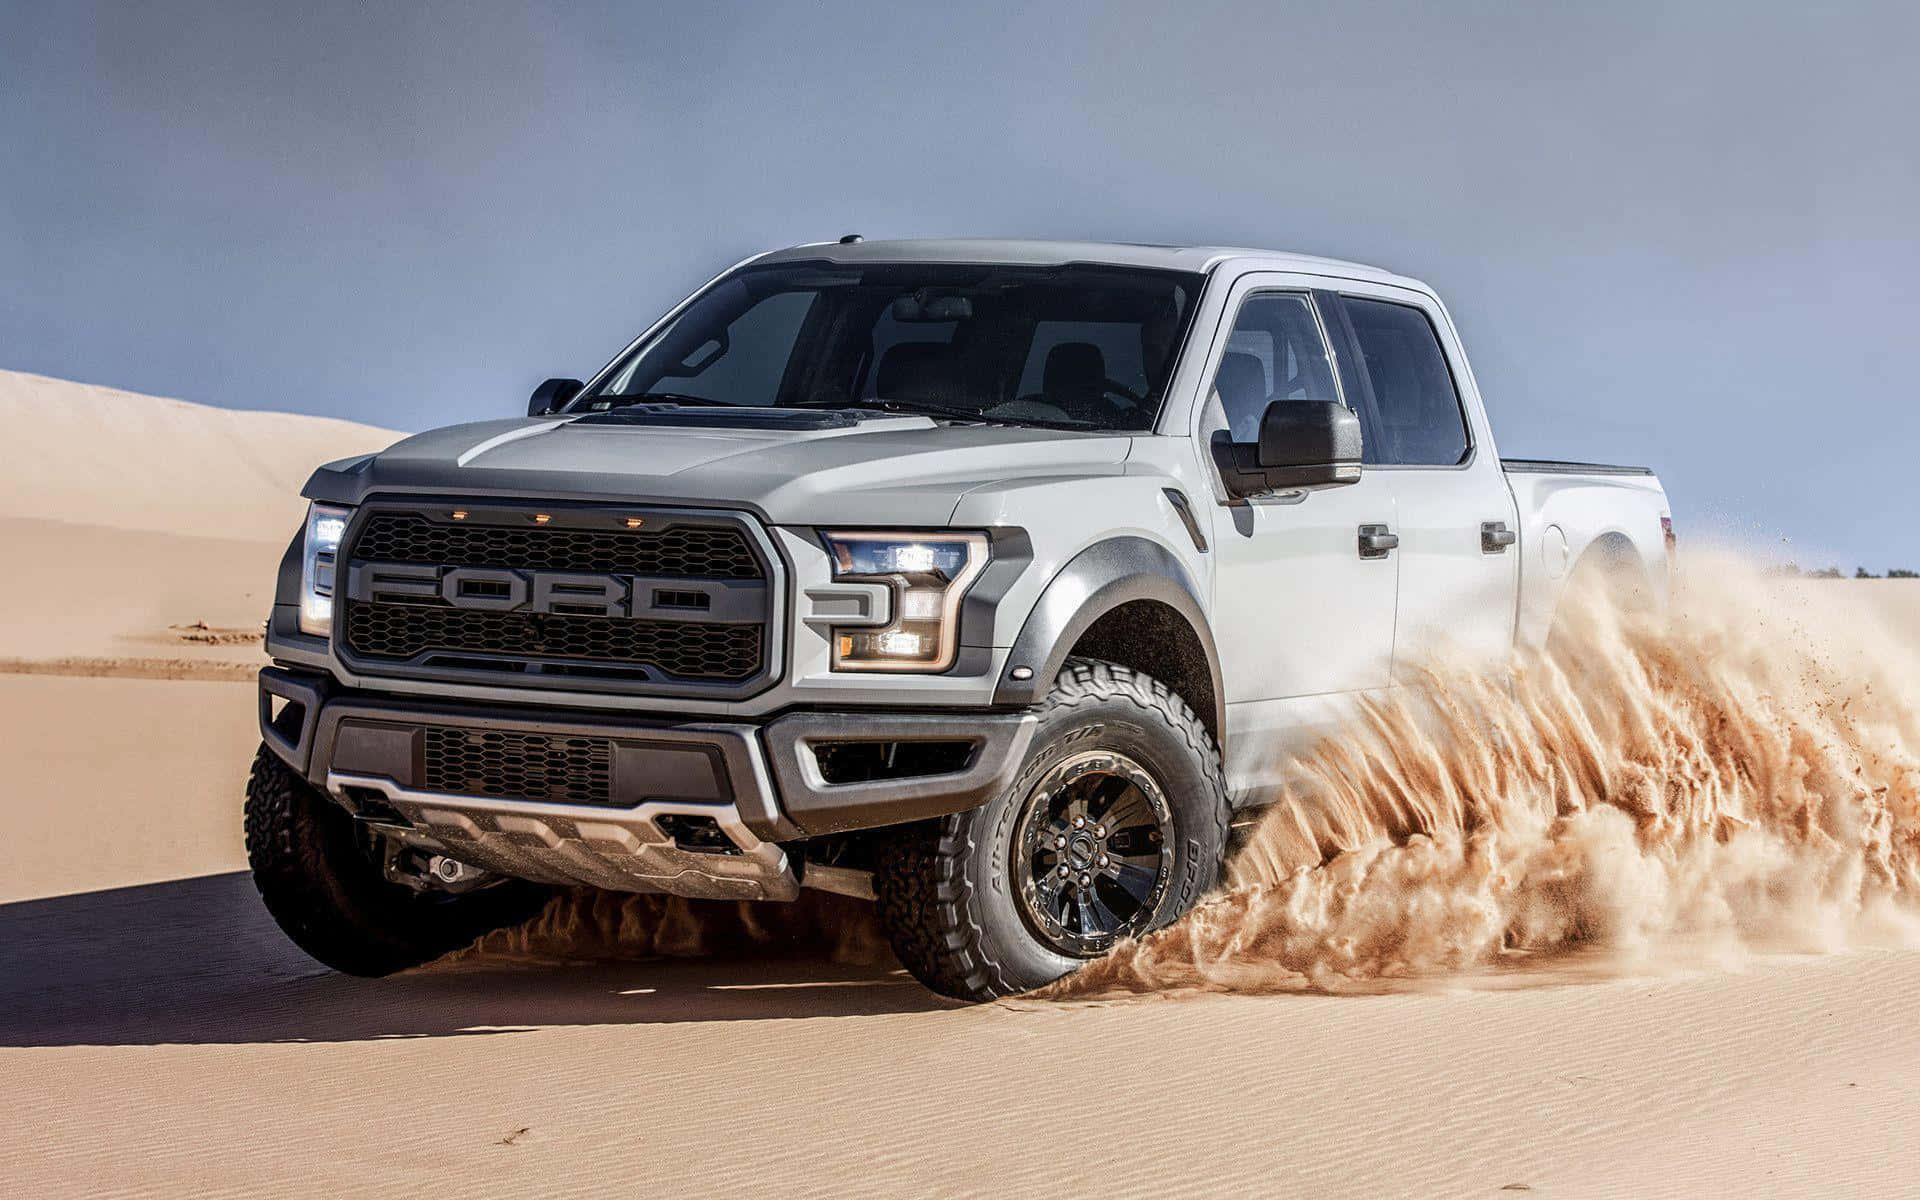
(1128, 254)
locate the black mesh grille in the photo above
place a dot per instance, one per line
(695, 551)
(647, 651)
(683, 650)
(522, 766)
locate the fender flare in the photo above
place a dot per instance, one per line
(1098, 580)
(1612, 551)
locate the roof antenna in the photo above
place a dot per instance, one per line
(850, 239)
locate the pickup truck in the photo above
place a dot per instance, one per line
(988, 579)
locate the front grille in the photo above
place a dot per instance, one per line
(519, 766)
(682, 650)
(672, 555)
(696, 551)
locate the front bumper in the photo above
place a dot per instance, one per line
(692, 808)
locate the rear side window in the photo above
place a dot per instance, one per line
(1418, 421)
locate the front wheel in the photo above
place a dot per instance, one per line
(1115, 825)
(320, 877)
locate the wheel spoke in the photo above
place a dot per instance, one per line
(1137, 881)
(1105, 793)
(1096, 919)
(1147, 864)
(1047, 889)
(1128, 811)
(1040, 843)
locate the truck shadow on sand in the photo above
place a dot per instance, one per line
(199, 961)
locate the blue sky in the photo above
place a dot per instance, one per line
(1683, 235)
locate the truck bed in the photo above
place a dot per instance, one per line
(1551, 466)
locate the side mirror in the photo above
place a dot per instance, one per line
(552, 396)
(1304, 445)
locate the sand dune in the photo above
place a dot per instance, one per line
(128, 597)
(141, 534)
(98, 456)
(160, 1037)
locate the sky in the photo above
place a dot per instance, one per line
(1681, 235)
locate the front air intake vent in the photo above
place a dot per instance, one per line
(519, 766)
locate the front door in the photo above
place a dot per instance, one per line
(1303, 613)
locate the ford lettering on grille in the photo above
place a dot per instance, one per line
(500, 589)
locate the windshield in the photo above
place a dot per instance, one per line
(1078, 346)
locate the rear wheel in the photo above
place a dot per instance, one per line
(323, 880)
(1115, 825)
(1606, 586)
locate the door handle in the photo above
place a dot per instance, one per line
(1377, 541)
(1495, 537)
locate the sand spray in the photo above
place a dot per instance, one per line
(1735, 775)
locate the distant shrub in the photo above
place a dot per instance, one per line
(1796, 571)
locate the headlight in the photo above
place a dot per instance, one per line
(929, 575)
(325, 524)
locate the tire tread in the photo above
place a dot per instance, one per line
(924, 897)
(334, 903)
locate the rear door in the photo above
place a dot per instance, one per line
(1427, 446)
(1303, 619)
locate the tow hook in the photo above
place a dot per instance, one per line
(427, 872)
(451, 871)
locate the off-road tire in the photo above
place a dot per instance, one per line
(943, 887)
(326, 891)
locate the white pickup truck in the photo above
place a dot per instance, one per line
(985, 578)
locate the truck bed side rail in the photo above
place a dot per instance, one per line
(1550, 466)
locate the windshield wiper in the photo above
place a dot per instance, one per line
(929, 409)
(925, 408)
(920, 407)
(663, 398)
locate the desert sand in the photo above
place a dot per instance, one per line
(141, 534)
(159, 1037)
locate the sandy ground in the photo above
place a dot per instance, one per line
(110, 782)
(158, 1036)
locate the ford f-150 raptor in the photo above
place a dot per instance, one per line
(985, 578)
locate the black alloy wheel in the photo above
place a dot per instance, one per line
(1094, 853)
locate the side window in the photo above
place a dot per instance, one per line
(1418, 417)
(1275, 352)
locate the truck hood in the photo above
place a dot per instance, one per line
(885, 471)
